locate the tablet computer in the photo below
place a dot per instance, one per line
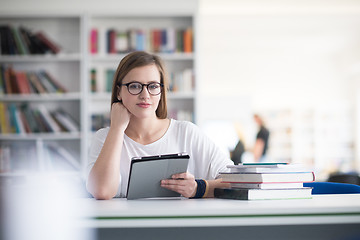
(147, 172)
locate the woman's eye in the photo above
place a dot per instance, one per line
(153, 86)
(135, 86)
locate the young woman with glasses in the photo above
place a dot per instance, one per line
(140, 127)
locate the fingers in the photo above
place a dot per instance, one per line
(120, 116)
(184, 175)
(183, 189)
(183, 183)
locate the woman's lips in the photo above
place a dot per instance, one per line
(143, 105)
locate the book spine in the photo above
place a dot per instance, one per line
(55, 83)
(19, 42)
(35, 81)
(93, 80)
(48, 119)
(188, 41)
(2, 80)
(5, 163)
(93, 41)
(4, 124)
(225, 193)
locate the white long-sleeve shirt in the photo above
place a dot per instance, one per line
(206, 159)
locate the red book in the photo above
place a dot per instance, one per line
(156, 34)
(93, 40)
(22, 83)
(47, 42)
(112, 41)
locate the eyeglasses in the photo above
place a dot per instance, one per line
(136, 88)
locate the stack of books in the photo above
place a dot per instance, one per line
(255, 181)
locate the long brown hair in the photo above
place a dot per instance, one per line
(140, 59)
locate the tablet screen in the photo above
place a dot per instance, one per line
(147, 172)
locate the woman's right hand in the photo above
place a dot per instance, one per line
(119, 116)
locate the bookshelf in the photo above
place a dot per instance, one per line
(319, 137)
(28, 153)
(48, 147)
(180, 61)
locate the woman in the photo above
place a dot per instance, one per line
(262, 140)
(140, 127)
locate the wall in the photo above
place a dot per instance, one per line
(119, 6)
(279, 53)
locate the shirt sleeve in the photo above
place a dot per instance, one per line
(209, 159)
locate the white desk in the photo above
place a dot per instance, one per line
(322, 217)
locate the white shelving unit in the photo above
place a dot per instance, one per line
(72, 68)
(27, 153)
(321, 138)
(181, 102)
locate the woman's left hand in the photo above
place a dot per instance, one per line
(183, 183)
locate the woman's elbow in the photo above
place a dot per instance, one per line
(102, 195)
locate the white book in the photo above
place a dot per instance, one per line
(278, 177)
(100, 79)
(170, 35)
(19, 122)
(65, 154)
(269, 167)
(266, 185)
(66, 121)
(51, 122)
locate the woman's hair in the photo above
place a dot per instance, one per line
(140, 59)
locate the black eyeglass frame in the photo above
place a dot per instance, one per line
(142, 87)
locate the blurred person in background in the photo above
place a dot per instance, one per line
(262, 140)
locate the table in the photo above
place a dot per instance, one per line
(322, 217)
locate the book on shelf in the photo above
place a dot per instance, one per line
(49, 121)
(18, 157)
(262, 194)
(101, 80)
(22, 119)
(65, 120)
(22, 82)
(182, 81)
(93, 40)
(21, 41)
(5, 164)
(99, 121)
(58, 158)
(44, 39)
(158, 40)
(28, 82)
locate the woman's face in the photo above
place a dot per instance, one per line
(142, 105)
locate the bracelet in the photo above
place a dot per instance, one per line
(201, 188)
(206, 189)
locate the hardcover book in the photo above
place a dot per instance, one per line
(262, 194)
(273, 177)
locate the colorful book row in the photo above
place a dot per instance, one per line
(101, 80)
(28, 82)
(21, 41)
(24, 119)
(167, 40)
